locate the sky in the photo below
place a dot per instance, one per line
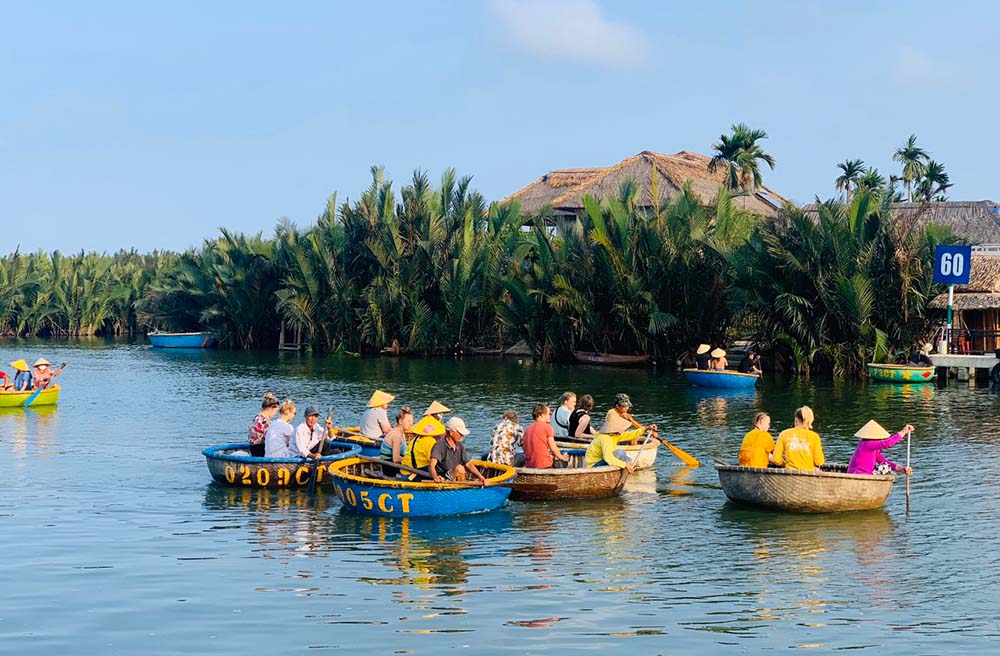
(152, 125)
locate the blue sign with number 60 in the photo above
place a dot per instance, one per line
(952, 264)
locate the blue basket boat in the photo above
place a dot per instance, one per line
(181, 340)
(230, 468)
(370, 447)
(723, 379)
(364, 490)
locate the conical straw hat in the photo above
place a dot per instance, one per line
(926, 348)
(380, 398)
(435, 407)
(703, 348)
(872, 431)
(428, 426)
(41, 361)
(20, 365)
(718, 353)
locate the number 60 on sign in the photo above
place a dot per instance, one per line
(952, 264)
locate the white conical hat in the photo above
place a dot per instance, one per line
(872, 431)
(718, 353)
(437, 407)
(703, 348)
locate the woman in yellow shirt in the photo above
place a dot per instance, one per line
(758, 445)
(799, 447)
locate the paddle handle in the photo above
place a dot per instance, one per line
(908, 476)
(400, 467)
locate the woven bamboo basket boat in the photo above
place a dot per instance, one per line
(829, 490)
(12, 399)
(370, 447)
(723, 379)
(898, 373)
(573, 482)
(364, 489)
(231, 468)
(647, 453)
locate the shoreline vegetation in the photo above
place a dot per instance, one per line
(434, 270)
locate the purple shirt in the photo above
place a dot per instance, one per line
(869, 452)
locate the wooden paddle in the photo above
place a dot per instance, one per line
(524, 487)
(686, 457)
(908, 474)
(311, 487)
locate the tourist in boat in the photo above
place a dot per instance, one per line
(280, 434)
(426, 433)
(919, 356)
(4, 381)
(579, 420)
(450, 459)
(560, 418)
(393, 446)
(619, 420)
(604, 450)
(437, 410)
(750, 364)
(701, 356)
(758, 445)
(258, 427)
(540, 450)
(375, 420)
(42, 373)
(22, 376)
(310, 438)
(868, 458)
(718, 361)
(507, 436)
(799, 447)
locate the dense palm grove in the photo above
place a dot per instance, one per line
(433, 270)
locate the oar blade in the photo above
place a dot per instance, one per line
(686, 457)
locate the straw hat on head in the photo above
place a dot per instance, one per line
(380, 398)
(41, 362)
(718, 353)
(436, 408)
(20, 365)
(926, 348)
(872, 431)
(702, 349)
(428, 426)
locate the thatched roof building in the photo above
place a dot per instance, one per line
(976, 221)
(983, 290)
(563, 190)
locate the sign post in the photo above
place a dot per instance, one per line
(952, 265)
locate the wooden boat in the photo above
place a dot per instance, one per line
(370, 447)
(230, 468)
(899, 373)
(364, 489)
(12, 399)
(610, 359)
(573, 482)
(647, 453)
(723, 379)
(181, 340)
(829, 490)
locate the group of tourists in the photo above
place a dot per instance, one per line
(708, 359)
(275, 438)
(800, 447)
(26, 379)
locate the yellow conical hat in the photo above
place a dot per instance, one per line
(435, 408)
(380, 398)
(20, 365)
(702, 349)
(872, 431)
(428, 426)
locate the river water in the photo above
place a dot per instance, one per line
(115, 540)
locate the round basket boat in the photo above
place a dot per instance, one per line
(364, 489)
(370, 447)
(647, 453)
(897, 373)
(573, 482)
(12, 399)
(829, 490)
(231, 468)
(724, 379)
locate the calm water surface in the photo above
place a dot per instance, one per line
(115, 541)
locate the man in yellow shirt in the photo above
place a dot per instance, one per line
(758, 445)
(426, 433)
(603, 450)
(799, 447)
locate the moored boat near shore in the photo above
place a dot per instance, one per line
(12, 399)
(364, 489)
(898, 373)
(610, 359)
(231, 468)
(573, 482)
(724, 379)
(830, 490)
(181, 340)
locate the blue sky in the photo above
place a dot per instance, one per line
(126, 124)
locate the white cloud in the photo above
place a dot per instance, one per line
(573, 30)
(916, 70)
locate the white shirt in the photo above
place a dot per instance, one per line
(560, 421)
(306, 440)
(278, 440)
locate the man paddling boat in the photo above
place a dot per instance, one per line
(43, 374)
(450, 458)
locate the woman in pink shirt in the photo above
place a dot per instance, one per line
(868, 455)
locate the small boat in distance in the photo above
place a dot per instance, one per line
(716, 378)
(831, 489)
(900, 373)
(12, 399)
(181, 340)
(610, 359)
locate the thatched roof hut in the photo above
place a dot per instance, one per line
(563, 190)
(975, 221)
(983, 290)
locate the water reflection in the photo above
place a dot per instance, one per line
(31, 431)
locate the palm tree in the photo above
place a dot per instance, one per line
(913, 159)
(740, 153)
(871, 180)
(934, 183)
(851, 171)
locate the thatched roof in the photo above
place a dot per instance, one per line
(976, 221)
(563, 190)
(983, 290)
(972, 301)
